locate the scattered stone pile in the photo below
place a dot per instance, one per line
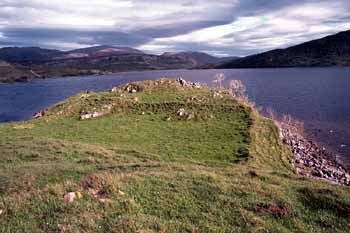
(91, 115)
(312, 161)
(185, 83)
(133, 88)
(182, 114)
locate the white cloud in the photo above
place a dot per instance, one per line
(158, 49)
(280, 28)
(237, 31)
(65, 45)
(124, 14)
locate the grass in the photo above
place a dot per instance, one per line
(142, 169)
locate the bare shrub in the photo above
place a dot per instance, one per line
(285, 121)
(237, 88)
(219, 78)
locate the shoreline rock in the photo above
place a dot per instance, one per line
(311, 160)
(39, 114)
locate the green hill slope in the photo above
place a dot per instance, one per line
(333, 50)
(157, 156)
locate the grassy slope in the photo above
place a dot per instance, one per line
(155, 173)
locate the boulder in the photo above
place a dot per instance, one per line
(69, 197)
(181, 112)
(133, 88)
(72, 196)
(190, 116)
(183, 82)
(91, 115)
(39, 114)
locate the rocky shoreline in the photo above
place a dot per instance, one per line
(311, 160)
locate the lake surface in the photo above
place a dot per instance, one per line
(318, 96)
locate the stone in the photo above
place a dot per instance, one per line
(102, 200)
(70, 197)
(91, 115)
(196, 85)
(84, 95)
(85, 116)
(133, 88)
(181, 112)
(97, 114)
(312, 160)
(38, 114)
(182, 82)
(108, 107)
(317, 173)
(190, 116)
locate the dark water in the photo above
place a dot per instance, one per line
(318, 96)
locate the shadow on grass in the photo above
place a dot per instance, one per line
(325, 200)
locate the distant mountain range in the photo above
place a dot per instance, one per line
(23, 64)
(199, 59)
(40, 62)
(16, 54)
(332, 50)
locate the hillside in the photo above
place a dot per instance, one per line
(198, 59)
(10, 73)
(332, 50)
(108, 64)
(100, 60)
(158, 156)
(25, 54)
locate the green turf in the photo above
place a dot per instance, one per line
(224, 170)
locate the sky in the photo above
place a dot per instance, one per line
(218, 27)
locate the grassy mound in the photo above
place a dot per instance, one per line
(158, 157)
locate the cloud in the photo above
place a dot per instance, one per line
(234, 27)
(265, 26)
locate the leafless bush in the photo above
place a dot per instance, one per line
(237, 88)
(219, 78)
(285, 121)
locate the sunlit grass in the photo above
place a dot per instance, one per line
(141, 169)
